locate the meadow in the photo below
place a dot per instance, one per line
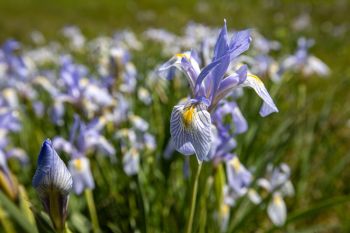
(144, 145)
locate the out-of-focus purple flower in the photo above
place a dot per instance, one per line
(144, 96)
(75, 37)
(89, 137)
(278, 184)
(302, 61)
(14, 65)
(131, 161)
(81, 174)
(239, 178)
(277, 209)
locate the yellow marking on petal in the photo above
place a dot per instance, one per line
(277, 199)
(78, 164)
(256, 78)
(84, 82)
(187, 116)
(224, 210)
(236, 164)
(181, 55)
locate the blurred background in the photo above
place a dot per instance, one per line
(311, 133)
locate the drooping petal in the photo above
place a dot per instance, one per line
(186, 63)
(268, 106)
(238, 176)
(81, 174)
(131, 161)
(315, 65)
(190, 129)
(277, 210)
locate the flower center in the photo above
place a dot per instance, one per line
(78, 164)
(188, 115)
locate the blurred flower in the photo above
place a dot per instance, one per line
(302, 61)
(76, 38)
(239, 178)
(131, 160)
(81, 174)
(277, 209)
(53, 183)
(278, 184)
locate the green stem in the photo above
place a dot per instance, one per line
(194, 197)
(91, 205)
(5, 221)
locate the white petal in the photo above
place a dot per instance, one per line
(277, 210)
(190, 128)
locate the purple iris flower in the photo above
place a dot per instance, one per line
(82, 139)
(303, 61)
(190, 124)
(239, 178)
(278, 184)
(15, 64)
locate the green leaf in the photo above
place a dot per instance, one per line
(17, 214)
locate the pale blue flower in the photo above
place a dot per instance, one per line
(190, 124)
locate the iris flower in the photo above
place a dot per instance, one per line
(278, 184)
(190, 124)
(53, 183)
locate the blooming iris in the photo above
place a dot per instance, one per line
(53, 183)
(190, 124)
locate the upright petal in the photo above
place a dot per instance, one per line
(221, 45)
(239, 43)
(186, 63)
(190, 129)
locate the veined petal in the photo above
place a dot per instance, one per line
(239, 43)
(190, 128)
(186, 63)
(221, 45)
(206, 70)
(53, 183)
(229, 83)
(51, 171)
(277, 210)
(258, 86)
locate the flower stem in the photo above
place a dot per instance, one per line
(92, 209)
(5, 221)
(194, 197)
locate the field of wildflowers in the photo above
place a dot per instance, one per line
(125, 116)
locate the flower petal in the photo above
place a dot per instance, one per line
(258, 86)
(190, 128)
(184, 62)
(277, 210)
(51, 171)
